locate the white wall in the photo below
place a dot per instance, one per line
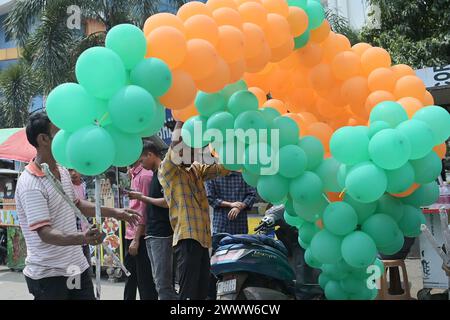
(354, 10)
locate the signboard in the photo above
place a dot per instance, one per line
(435, 76)
(166, 134)
(9, 217)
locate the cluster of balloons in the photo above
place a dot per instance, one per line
(115, 103)
(210, 45)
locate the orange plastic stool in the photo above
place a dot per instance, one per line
(403, 283)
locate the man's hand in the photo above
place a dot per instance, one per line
(134, 247)
(233, 213)
(93, 237)
(240, 205)
(135, 195)
(446, 269)
(128, 215)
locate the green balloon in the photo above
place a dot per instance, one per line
(328, 172)
(349, 145)
(59, 148)
(242, 101)
(420, 136)
(411, 222)
(250, 178)
(425, 195)
(249, 125)
(323, 280)
(91, 150)
(316, 14)
(293, 221)
(394, 247)
(303, 245)
(230, 154)
(132, 109)
(336, 271)
(389, 149)
(307, 231)
(270, 114)
(292, 161)
(193, 132)
(101, 72)
(366, 182)
(401, 179)
(289, 207)
(287, 129)
(382, 229)
(311, 260)
(209, 103)
(102, 113)
(377, 126)
(378, 263)
(70, 107)
(302, 40)
(334, 291)
(428, 168)
(340, 218)
(326, 247)
(341, 175)
(353, 285)
(297, 3)
(306, 189)
(224, 123)
(258, 159)
(311, 212)
(230, 89)
(314, 151)
(363, 210)
(129, 42)
(390, 112)
(391, 206)
(359, 250)
(128, 147)
(156, 123)
(153, 75)
(438, 119)
(273, 188)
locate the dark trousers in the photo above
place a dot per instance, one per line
(56, 288)
(141, 274)
(193, 269)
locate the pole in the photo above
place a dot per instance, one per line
(98, 220)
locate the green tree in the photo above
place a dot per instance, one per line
(416, 33)
(341, 25)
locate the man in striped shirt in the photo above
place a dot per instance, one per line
(55, 267)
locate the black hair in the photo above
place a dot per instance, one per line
(150, 146)
(38, 123)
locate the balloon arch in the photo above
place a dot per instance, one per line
(360, 142)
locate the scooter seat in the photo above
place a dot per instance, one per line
(254, 239)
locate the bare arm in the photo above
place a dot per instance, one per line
(88, 209)
(55, 237)
(159, 202)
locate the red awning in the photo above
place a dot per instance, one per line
(14, 145)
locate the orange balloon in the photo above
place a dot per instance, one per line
(402, 70)
(335, 95)
(334, 196)
(321, 33)
(254, 39)
(231, 46)
(182, 92)
(299, 77)
(290, 62)
(321, 131)
(319, 224)
(277, 30)
(428, 99)
(302, 125)
(277, 6)
(163, 19)
(217, 80)
(298, 21)
(321, 77)
(376, 97)
(237, 70)
(203, 27)
(374, 58)
(360, 48)
(355, 91)
(301, 100)
(257, 80)
(326, 109)
(382, 79)
(185, 113)
(441, 150)
(408, 192)
(239, 2)
(258, 63)
(310, 55)
(334, 44)
(218, 4)
(254, 12)
(277, 80)
(201, 59)
(193, 8)
(167, 44)
(276, 104)
(411, 105)
(260, 94)
(227, 17)
(280, 53)
(345, 65)
(410, 86)
(308, 117)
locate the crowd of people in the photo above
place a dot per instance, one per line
(168, 227)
